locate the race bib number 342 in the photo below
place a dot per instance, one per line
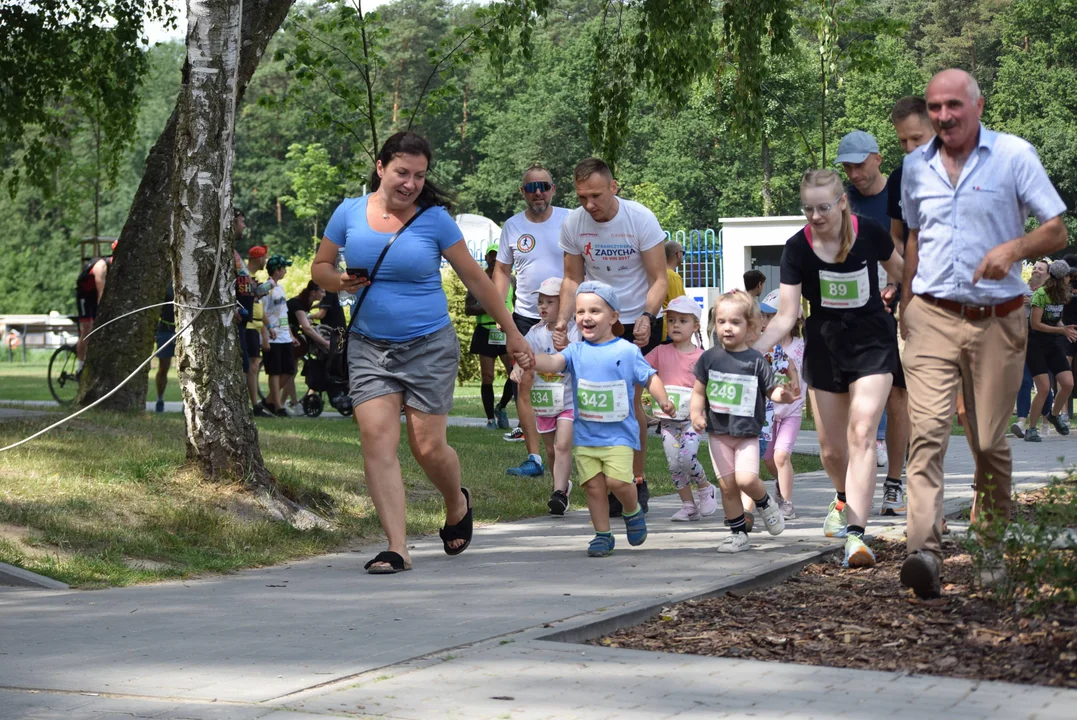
(732, 394)
(602, 401)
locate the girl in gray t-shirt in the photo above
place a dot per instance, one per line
(733, 382)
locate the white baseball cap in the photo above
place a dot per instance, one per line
(550, 286)
(685, 305)
(769, 304)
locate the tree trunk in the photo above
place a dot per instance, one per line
(221, 436)
(768, 194)
(140, 269)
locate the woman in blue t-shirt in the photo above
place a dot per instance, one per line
(402, 348)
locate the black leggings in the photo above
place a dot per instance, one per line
(487, 391)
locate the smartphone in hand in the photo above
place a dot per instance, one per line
(360, 273)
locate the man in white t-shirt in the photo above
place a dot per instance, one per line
(529, 245)
(618, 242)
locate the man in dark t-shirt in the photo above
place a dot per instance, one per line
(858, 155)
(913, 128)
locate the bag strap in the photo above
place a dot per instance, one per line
(374, 271)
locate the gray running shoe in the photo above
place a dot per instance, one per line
(1032, 435)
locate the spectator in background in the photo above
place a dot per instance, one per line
(1048, 342)
(1069, 317)
(166, 348)
(300, 313)
(280, 360)
(1024, 395)
(754, 283)
(674, 258)
(255, 334)
(89, 288)
(488, 342)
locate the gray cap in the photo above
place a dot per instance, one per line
(603, 290)
(855, 147)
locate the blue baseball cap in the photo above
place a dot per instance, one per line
(855, 147)
(601, 289)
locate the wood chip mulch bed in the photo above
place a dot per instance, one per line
(865, 619)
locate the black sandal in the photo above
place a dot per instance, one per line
(394, 560)
(460, 531)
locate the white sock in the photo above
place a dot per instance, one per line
(537, 458)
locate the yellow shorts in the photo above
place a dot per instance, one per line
(615, 461)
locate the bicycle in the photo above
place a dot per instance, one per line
(63, 378)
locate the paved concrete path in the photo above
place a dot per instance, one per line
(298, 637)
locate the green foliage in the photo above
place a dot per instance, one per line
(670, 213)
(455, 292)
(315, 182)
(68, 64)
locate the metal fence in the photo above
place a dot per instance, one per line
(702, 264)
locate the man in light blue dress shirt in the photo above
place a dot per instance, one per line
(966, 196)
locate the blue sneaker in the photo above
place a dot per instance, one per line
(528, 468)
(600, 546)
(502, 419)
(636, 528)
(159, 406)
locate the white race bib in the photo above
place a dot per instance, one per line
(497, 338)
(548, 398)
(844, 290)
(681, 397)
(732, 394)
(602, 401)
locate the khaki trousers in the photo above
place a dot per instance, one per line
(985, 359)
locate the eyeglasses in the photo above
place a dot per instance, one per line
(536, 187)
(822, 209)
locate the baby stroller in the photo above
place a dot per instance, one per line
(320, 380)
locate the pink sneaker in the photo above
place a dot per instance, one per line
(687, 512)
(708, 503)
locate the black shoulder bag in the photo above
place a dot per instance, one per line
(336, 363)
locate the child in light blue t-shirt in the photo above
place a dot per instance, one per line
(605, 370)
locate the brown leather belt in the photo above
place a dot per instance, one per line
(975, 312)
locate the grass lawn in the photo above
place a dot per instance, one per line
(106, 500)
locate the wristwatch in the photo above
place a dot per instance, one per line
(651, 317)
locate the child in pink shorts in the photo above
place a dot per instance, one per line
(786, 359)
(674, 363)
(733, 382)
(551, 396)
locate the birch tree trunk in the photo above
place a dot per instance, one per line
(142, 265)
(221, 436)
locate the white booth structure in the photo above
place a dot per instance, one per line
(755, 243)
(479, 233)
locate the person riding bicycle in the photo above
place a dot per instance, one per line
(89, 287)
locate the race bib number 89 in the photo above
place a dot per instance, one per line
(844, 290)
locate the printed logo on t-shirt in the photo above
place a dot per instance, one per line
(525, 243)
(610, 252)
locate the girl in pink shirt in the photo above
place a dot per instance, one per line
(674, 363)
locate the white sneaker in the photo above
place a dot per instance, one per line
(687, 512)
(735, 543)
(708, 503)
(880, 453)
(772, 517)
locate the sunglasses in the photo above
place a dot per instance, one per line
(538, 186)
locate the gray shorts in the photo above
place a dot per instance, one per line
(423, 369)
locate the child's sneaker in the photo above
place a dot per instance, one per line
(788, 511)
(688, 512)
(600, 546)
(735, 543)
(835, 524)
(708, 503)
(636, 528)
(558, 502)
(857, 553)
(772, 517)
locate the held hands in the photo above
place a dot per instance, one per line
(786, 394)
(560, 335)
(996, 264)
(1071, 333)
(517, 373)
(668, 408)
(888, 294)
(519, 350)
(699, 422)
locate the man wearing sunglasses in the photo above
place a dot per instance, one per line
(529, 245)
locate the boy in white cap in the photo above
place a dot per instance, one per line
(605, 372)
(675, 364)
(551, 395)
